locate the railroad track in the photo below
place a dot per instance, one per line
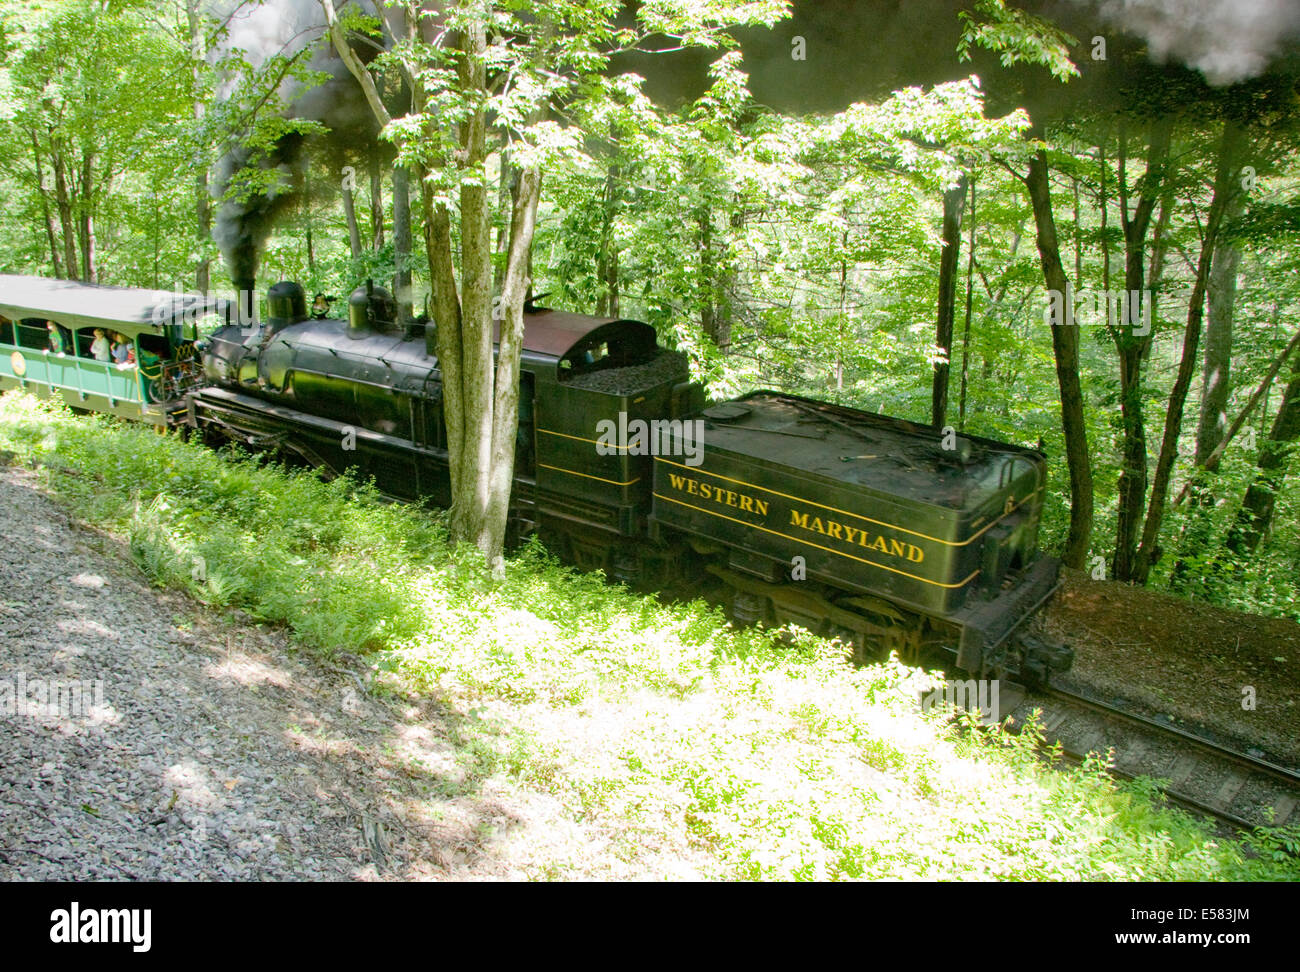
(1203, 776)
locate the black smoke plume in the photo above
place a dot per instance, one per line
(258, 32)
(856, 50)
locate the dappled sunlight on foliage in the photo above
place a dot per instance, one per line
(696, 748)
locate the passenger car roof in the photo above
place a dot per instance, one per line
(76, 305)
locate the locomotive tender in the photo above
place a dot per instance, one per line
(788, 510)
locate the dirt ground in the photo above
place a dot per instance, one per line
(1202, 667)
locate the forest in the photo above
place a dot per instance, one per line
(1069, 225)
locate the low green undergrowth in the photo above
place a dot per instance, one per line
(673, 744)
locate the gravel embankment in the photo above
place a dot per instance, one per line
(216, 753)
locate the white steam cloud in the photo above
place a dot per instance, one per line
(1226, 40)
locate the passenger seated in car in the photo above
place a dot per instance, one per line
(56, 337)
(123, 354)
(100, 349)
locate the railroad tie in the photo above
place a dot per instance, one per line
(1131, 753)
(1182, 768)
(1282, 809)
(1229, 789)
(1053, 719)
(1092, 741)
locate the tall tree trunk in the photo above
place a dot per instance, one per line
(479, 401)
(970, 293)
(1224, 186)
(1078, 232)
(203, 232)
(376, 205)
(63, 202)
(505, 405)
(350, 214)
(469, 511)
(47, 218)
(1131, 344)
(1257, 507)
(1216, 370)
(202, 198)
(954, 200)
(1213, 421)
(607, 256)
(1065, 347)
(443, 340)
(1159, 250)
(402, 241)
(86, 229)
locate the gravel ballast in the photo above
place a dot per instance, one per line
(202, 749)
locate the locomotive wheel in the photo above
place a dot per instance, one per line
(869, 650)
(886, 630)
(749, 608)
(860, 651)
(907, 642)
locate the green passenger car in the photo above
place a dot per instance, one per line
(125, 351)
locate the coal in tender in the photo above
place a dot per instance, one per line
(664, 367)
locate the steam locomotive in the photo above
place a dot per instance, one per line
(887, 534)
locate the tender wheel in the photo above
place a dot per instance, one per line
(859, 651)
(749, 608)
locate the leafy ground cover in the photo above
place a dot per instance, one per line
(696, 749)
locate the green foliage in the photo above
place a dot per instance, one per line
(814, 239)
(1017, 37)
(689, 748)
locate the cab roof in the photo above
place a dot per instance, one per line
(561, 334)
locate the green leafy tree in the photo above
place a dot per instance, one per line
(497, 79)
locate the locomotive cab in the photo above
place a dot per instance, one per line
(593, 385)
